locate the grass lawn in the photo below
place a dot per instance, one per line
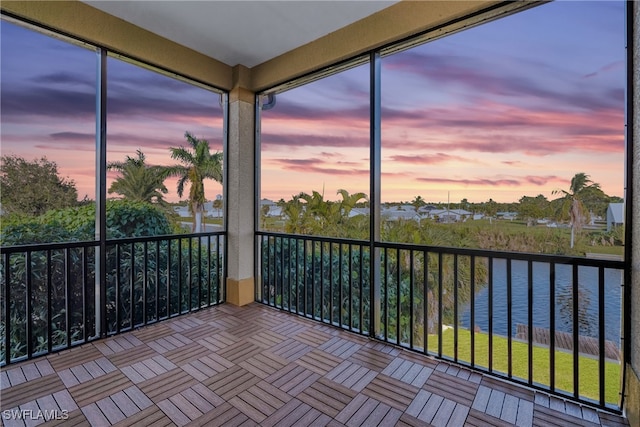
(588, 367)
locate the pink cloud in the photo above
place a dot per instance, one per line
(429, 159)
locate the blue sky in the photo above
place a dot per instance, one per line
(510, 108)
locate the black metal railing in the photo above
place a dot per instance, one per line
(322, 278)
(53, 296)
(549, 322)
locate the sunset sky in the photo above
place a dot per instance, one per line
(512, 108)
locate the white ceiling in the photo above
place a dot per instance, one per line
(241, 32)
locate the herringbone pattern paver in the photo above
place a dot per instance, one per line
(255, 366)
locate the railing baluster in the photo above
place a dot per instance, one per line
(331, 307)
(552, 326)
(190, 276)
(305, 275)
(439, 304)
(67, 284)
(425, 308)
(360, 289)
(199, 273)
(472, 313)
(411, 281)
(180, 279)
(168, 278)
(350, 287)
(281, 273)
(490, 313)
(266, 297)
(29, 305)
(530, 319)
(341, 290)
(601, 336)
(398, 291)
(219, 271)
(455, 307)
(386, 294)
(576, 332)
(297, 286)
(49, 302)
(313, 278)
(132, 280)
(157, 282)
(509, 319)
(271, 270)
(85, 295)
(145, 277)
(208, 280)
(289, 272)
(322, 281)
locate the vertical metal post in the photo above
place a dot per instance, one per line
(472, 315)
(7, 306)
(490, 312)
(552, 326)
(576, 330)
(530, 320)
(101, 194)
(411, 296)
(601, 336)
(509, 317)
(257, 159)
(455, 307)
(375, 156)
(29, 305)
(630, 27)
(331, 308)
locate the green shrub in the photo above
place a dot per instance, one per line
(124, 219)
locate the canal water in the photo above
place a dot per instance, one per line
(563, 301)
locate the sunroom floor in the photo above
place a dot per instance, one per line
(255, 365)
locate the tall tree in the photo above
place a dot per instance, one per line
(533, 208)
(139, 181)
(418, 202)
(198, 164)
(33, 188)
(572, 205)
(349, 201)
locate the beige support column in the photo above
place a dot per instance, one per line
(632, 386)
(240, 190)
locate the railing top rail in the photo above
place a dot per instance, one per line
(90, 243)
(164, 237)
(342, 240)
(48, 246)
(520, 256)
(484, 253)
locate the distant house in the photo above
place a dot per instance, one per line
(358, 211)
(615, 215)
(450, 215)
(395, 214)
(507, 215)
(182, 211)
(270, 208)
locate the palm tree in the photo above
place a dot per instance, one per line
(197, 165)
(349, 201)
(138, 181)
(418, 202)
(572, 204)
